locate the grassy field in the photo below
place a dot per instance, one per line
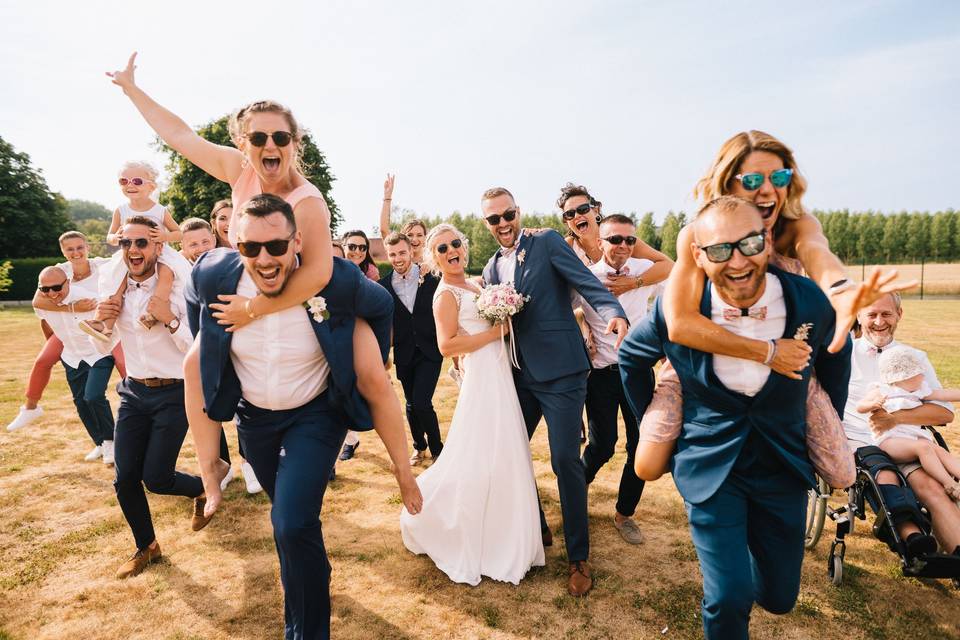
(938, 279)
(62, 536)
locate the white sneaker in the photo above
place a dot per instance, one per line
(107, 447)
(253, 485)
(226, 479)
(25, 417)
(95, 454)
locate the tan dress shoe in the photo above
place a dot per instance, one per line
(416, 457)
(199, 521)
(629, 530)
(139, 561)
(580, 581)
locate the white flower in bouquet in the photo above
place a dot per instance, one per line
(498, 302)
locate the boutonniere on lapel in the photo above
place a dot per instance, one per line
(803, 331)
(317, 306)
(521, 256)
(420, 279)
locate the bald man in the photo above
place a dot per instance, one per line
(88, 371)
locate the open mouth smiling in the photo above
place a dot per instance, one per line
(582, 225)
(766, 208)
(271, 163)
(739, 277)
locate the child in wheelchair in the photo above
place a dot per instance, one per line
(903, 387)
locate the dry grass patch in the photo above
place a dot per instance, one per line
(62, 537)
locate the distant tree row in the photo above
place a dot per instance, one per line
(870, 237)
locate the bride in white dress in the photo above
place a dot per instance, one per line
(480, 515)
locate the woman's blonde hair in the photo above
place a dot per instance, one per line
(718, 180)
(428, 259)
(146, 167)
(238, 128)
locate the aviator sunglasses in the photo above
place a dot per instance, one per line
(274, 247)
(53, 287)
(507, 215)
(126, 243)
(748, 246)
(753, 181)
(618, 239)
(456, 244)
(280, 138)
(134, 181)
(582, 210)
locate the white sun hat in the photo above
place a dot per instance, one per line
(898, 363)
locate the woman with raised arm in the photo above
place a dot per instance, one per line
(757, 167)
(415, 229)
(267, 160)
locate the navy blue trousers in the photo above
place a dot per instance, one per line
(292, 453)
(88, 385)
(749, 539)
(419, 380)
(560, 403)
(605, 395)
(151, 425)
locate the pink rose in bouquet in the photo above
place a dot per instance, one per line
(498, 302)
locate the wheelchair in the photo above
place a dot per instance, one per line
(870, 461)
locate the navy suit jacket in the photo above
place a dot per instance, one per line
(718, 421)
(548, 337)
(349, 295)
(417, 330)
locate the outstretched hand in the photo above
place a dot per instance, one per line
(124, 78)
(388, 187)
(848, 303)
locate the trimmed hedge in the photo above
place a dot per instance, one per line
(24, 275)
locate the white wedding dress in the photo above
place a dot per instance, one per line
(480, 513)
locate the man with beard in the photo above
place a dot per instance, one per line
(878, 323)
(151, 420)
(289, 378)
(741, 462)
(415, 351)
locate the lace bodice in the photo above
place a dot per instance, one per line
(469, 320)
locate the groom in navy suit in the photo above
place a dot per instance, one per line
(289, 377)
(741, 461)
(552, 379)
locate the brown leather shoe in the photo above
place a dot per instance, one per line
(139, 561)
(580, 581)
(547, 537)
(199, 521)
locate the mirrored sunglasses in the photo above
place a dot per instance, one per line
(751, 245)
(126, 243)
(134, 181)
(753, 181)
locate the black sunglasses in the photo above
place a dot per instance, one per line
(280, 138)
(748, 246)
(53, 287)
(618, 239)
(126, 243)
(274, 247)
(507, 215)
(456, 244)
(578, 211)
(357, 247)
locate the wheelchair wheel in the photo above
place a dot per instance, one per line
(836, 570)
(816, 513)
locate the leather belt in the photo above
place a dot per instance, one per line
(157, 382)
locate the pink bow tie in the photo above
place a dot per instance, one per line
(757, 313)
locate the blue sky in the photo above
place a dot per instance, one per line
(632, 99)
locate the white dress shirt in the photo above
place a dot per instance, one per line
(737, 374)
(155, 352)
(405, 286)
(65, 325)
(635, 302)
(277, 357)
(864, 376)
(507, 262)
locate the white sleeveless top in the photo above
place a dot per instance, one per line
(157, 213)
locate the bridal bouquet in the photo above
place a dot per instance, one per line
(498, 302)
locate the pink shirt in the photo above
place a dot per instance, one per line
(248, 185)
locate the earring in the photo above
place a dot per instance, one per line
(243, 163)
(599, 218)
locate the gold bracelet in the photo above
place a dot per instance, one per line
(248, 308)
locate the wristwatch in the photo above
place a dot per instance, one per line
(840, 286)
(174, 324)
(639, 281)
